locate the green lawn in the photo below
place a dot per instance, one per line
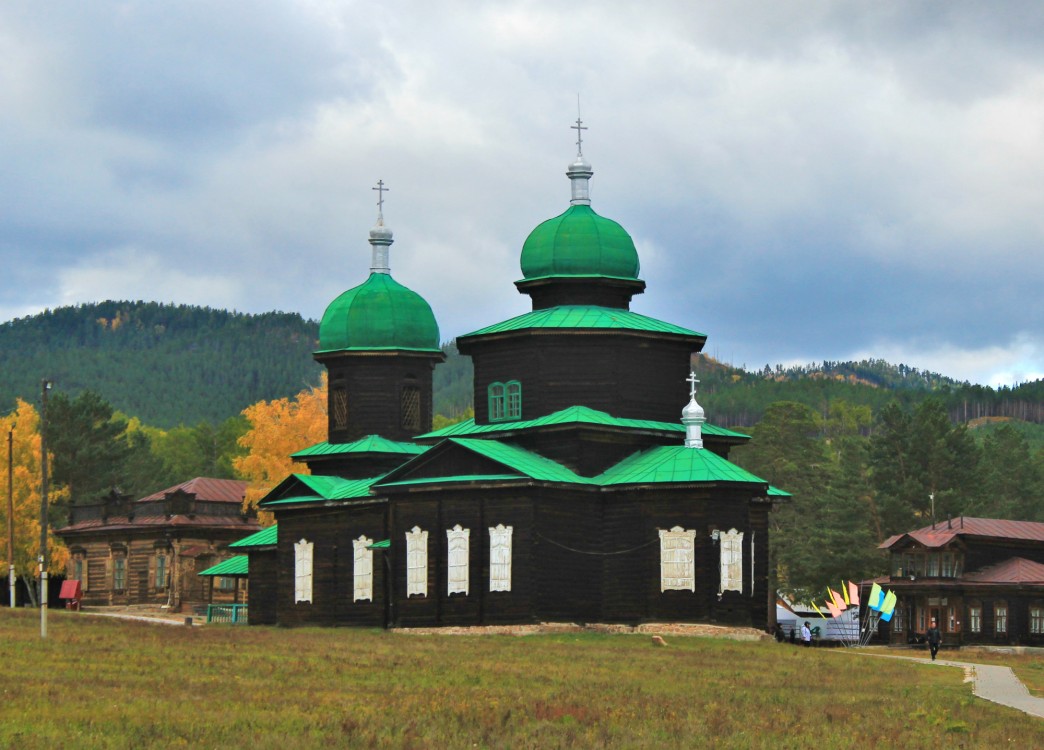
(101, 683)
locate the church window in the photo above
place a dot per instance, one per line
(500, 557)
(1000, 618)
(363, 570)
(678, 559)
(505, 401)
(410, 408)
(416, 562)
(731, 564)
(339, 402)
(457, 542)
(303, 551)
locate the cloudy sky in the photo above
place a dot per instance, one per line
(803, 180)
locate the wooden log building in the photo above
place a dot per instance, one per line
(575, 494)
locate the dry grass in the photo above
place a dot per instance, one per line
(101, 683)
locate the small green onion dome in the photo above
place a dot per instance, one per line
(579, 242)
(380, 313)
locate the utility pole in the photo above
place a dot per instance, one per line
(10, 512)
(45, 386)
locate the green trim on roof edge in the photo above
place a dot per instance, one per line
(263, 538)
(585, 318)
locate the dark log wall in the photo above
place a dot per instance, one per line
(374, 383)
(331, 531)
(628, 376)
(264, 585)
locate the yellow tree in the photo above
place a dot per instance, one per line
(26, 497)
(277, 429)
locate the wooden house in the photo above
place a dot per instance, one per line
(581, 491)
(980, 579)
(149, 551)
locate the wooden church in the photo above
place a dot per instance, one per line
(584, 490)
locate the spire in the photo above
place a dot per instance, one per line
(693, 416)
(380, 235)
(579, 172)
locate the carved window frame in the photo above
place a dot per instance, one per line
(730, 561)
(500, 557)
(458, 549)
(416, 562)
(678, 559)
(362, 570)
(304, 554)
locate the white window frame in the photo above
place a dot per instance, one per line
(303, 560)
(416, 562)
(1000, 618)
(500, 557)
(731, 561)
(975, 618)
(362, 570)
(458, 549)
(1036, 619)
(678, 559)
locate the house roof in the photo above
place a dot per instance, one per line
(1012, 570)
(574, 416)
(584, 317)
(140, 522)
(205, 488)
(320, 488)
(264, 538)
(368, 444)
(943, 533)
(676, 464)
(233, 566)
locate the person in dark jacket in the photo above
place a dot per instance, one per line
(934, 637)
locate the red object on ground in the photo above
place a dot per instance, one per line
(72, 593)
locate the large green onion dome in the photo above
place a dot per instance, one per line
(380, 313)
(579, 242)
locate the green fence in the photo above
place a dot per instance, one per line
(232, 613)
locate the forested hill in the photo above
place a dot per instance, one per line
(165, 364)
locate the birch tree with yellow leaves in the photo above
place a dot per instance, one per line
(277, 429)
(23, 424)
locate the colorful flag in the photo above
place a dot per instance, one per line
(844, 590)
(838, 601)
(876, 596)
(818, 611)
(853, 593)
(888, 606)
(834, 611)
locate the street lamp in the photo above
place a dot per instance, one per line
(45, 386)
(10, 511)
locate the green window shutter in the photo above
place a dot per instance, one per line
(513, 400)
(496, 402)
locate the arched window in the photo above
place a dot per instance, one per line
(678, 559)
(496, 402)
(457, 543)
(731, 561)
(500, 557)
(363, 570)
(303, 571)
(505, 401)
(416, 562)
(513, 406)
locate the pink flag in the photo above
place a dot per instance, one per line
(853, 593)
(839, 602)
(834, 611)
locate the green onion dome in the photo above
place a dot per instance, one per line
(579, 242)
(380, 313)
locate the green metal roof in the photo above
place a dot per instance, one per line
(368, 444)
(263, 538)
(326, 488)
(233, 566)
(383, 544)
(777, 492)
(585, 317)
(579, 242)
(675, 464)
(576, 415)
(379, 314)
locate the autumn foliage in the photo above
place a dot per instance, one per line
(277, 429)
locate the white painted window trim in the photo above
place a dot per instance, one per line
(362, 570)
(678, 559)
(303, 556)
(416, 562)
(500, 557)
(458, 547)
(731, 561)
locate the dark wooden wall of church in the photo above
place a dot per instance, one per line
(626, 376)
(264, 585)
(331, 530)
(374, 383)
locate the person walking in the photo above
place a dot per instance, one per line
(934, 639)
(806, 635)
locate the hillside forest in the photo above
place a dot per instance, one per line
(147, 396)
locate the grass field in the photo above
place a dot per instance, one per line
(102, 683)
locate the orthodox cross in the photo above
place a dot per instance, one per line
(380, 197)
(578, 127)
(692, 384)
